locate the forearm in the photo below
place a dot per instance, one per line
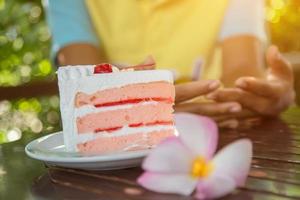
(242, 56)
(80, 54)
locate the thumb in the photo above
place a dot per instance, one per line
(279, 67)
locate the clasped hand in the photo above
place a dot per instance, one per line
(251, 96)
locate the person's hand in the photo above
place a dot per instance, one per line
(188, 91)
(267, 97)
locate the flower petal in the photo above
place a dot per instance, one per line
(198, 133)
(234, 160)
(170, 156)
(214, 187)
(168, 183)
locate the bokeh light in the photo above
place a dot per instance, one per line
(33, 115)
(24, 57)
(277, 4)
(283, 20)
(24, 41)
(14, 134)
(45, 67)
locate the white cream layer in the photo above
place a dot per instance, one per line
(88, 109)
(87, 82)
(85, 137)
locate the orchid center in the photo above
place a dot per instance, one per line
(201, 168)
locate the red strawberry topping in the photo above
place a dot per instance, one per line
(103, 68)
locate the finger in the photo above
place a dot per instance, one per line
(279, 66)
(245, 113)
(260, 87)
(246, 99)
(209, 109)
(230, 123)
(249, 123)
(190, 90)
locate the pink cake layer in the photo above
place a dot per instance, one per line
(160, 91)
(138, 115)
(115, 144)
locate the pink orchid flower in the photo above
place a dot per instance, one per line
(187, 162)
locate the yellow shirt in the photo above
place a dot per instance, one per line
(176, 32)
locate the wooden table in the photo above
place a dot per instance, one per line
(275, 171)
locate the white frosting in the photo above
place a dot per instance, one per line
(89, 83)
(87, 109)
(73, 79)
(126, 131)
(141, 143)
(85, 137)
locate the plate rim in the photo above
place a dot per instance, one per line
(87, 159)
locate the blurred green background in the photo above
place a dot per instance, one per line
(24, 59)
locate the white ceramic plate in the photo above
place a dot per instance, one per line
(51, 150)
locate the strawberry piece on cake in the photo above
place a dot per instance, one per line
(103, 68)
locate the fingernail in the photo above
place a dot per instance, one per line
(277, 53)
(235, 109)
(211, 96)
(214, 85)
(234, 125)
(241, 83)
(278, 56)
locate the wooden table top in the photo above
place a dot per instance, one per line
(275, 171)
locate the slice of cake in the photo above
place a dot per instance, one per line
(106, 110)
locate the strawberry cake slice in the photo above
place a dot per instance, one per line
(105, 110)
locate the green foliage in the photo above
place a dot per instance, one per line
(24, 57)
(33, 115)
(24, 42)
